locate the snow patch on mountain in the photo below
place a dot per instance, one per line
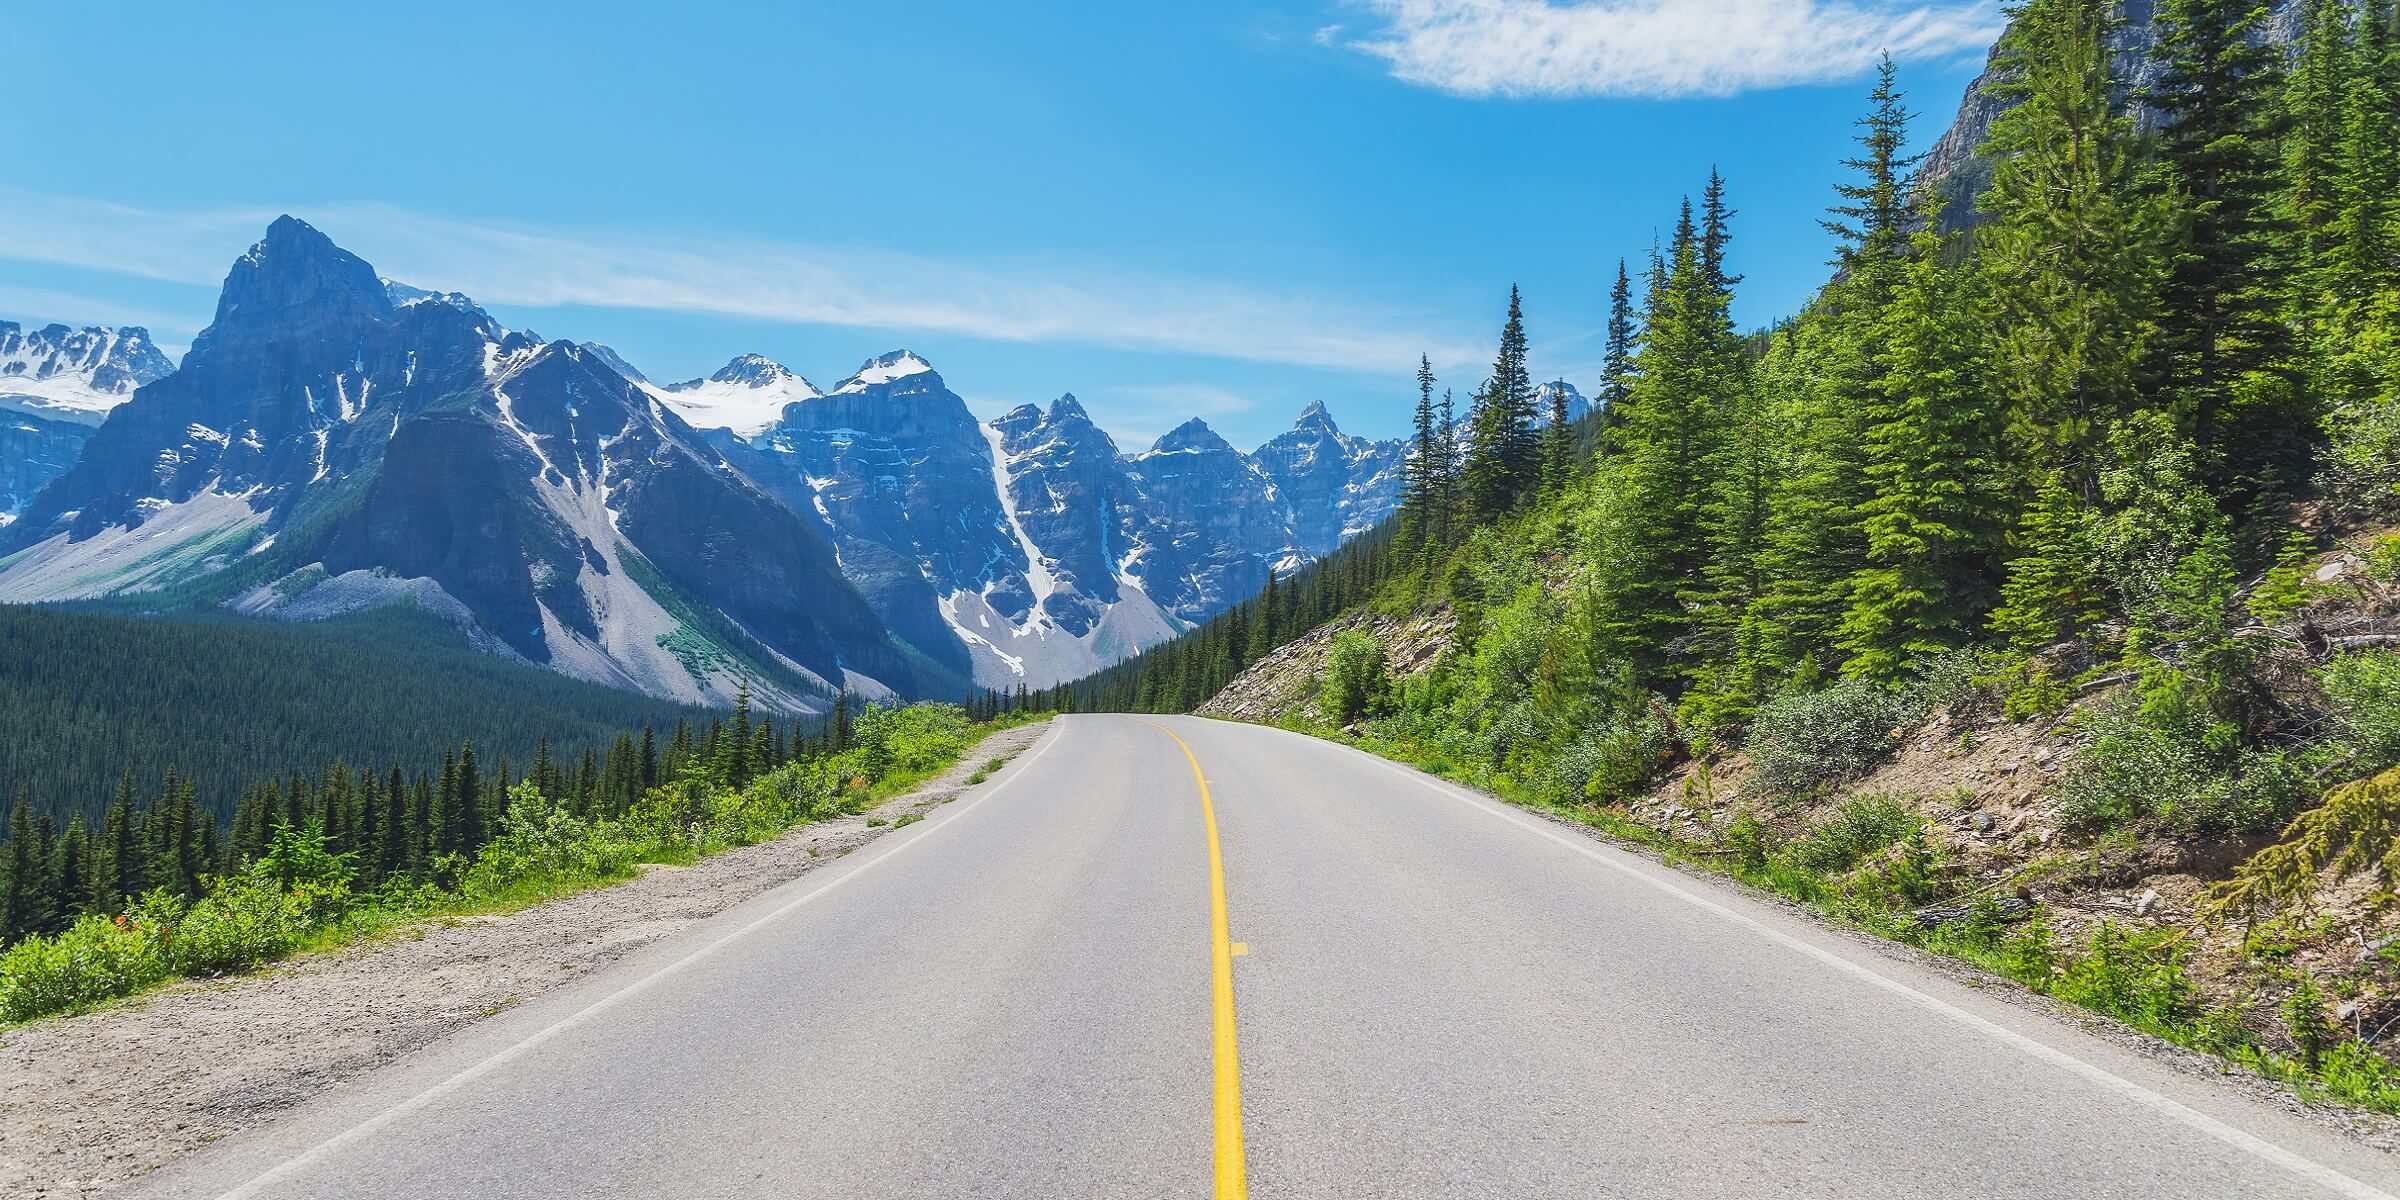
(747, 397)
(75, 375)
(899, 364)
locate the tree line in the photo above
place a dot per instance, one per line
(2064, 432)
(389, 825)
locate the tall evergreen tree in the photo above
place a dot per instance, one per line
(1558, 442)
(1616, 363)
(1934, 509)
(1871, 219)
(1503, 460)
(1422, 494)
(2222, 328)
(2069, 251)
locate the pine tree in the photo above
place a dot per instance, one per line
(1871, 220)
(471, 830)
(1558, 443)
(71, 874)
(2070, 249)
(1421, 496)
(2315, 97)
(2051, 593)
(1502, 456)
(1716, 236)
(1262, 624)
(1450, 493)
(1690, 370)
(1931, 464)
(1616, 364)
(124, 859)
(2221, 322)
(23, 907)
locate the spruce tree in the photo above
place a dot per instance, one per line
(1871, 220)
(1503, 462)
(2070, 250)
(1616, 364)
(1558, 443)
(1423, 485)
(1934, 508)
(2222, 327)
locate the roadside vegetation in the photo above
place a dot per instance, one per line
(307, 867)
(2107, 474)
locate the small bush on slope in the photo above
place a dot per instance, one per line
(1802, 744)
(1358, 680)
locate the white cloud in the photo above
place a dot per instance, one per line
(1659, 48)
(501, 264)
(41, 306)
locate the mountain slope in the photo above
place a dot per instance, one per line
(333, 443)
(227, 703)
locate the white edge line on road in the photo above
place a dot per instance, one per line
(469, 1075)
(2306, 1168)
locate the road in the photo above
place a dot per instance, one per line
(1391, 988)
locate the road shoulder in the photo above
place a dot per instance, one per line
(89, 1102)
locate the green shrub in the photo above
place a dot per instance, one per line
(1864, 826)
(95, 959)
(1357, 681)
(2167, 760)
(542, 841)
(2365, 693)
(908, 740)
(1623, 758)
(2135, 976)
(1803, 744)
(243, 923)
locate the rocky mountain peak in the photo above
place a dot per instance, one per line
(1316, 418)
(755, 370)
(294, 283)
(888, 368)
(1192, 435)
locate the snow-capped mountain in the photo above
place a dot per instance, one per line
(1040, 550)
(1577, 406)
(334, 443)
(75, 375)
(1335, 486)
(56, 385)
(747, 396)
(337, 441)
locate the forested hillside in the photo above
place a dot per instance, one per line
(87, 699)
(2108, 476)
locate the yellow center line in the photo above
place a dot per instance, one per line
(1232, 1178)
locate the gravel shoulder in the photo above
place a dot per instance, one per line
(90, 1102)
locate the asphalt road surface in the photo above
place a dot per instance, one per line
(1058, 986)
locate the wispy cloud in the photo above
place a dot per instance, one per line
(45, 305)
(757, 279)
(1658, 48)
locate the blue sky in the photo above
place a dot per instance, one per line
(1224, 210)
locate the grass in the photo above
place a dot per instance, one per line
(542, 854)
(1854, 870)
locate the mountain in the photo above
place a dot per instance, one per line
(337, 442)
(746, 397)
(334, 443)
(1954, 170)
(1334, 486)
(56, 385)
(1029, 548)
